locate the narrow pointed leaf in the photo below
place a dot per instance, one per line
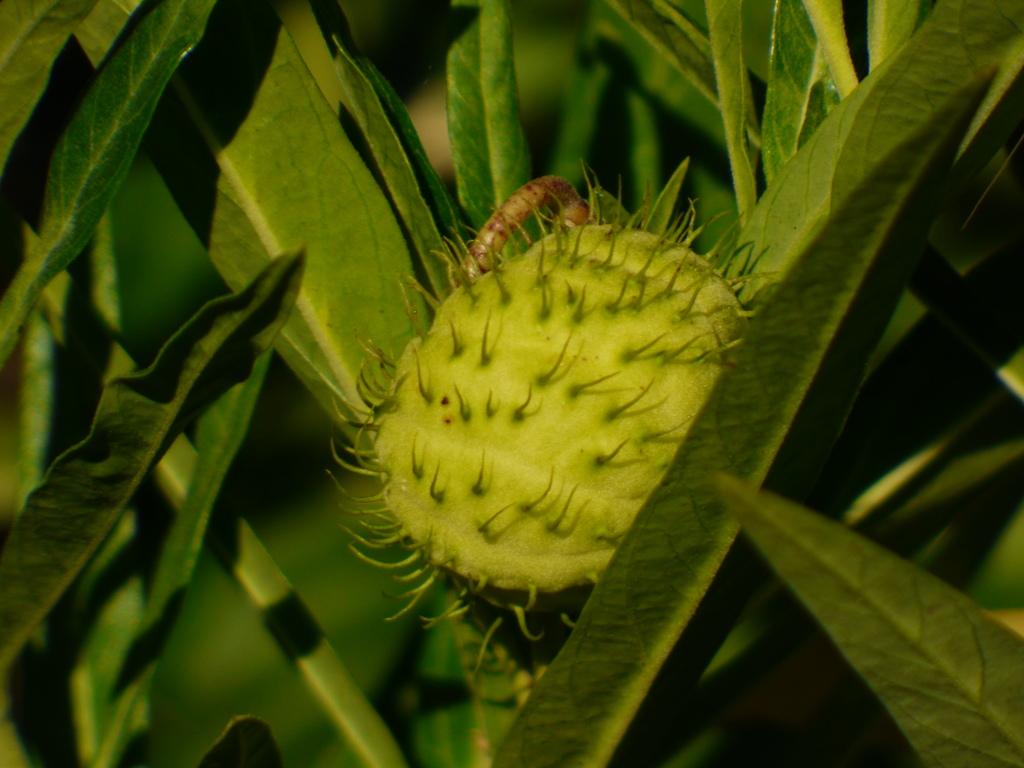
(726, 21)
(492, 159)
(960, 41)
(800, 89)
(947, 672)
(664, 208)
(400, 160)
(246, 743)
(32, 33)
(86, 487)
(778, 407)
(98, 146)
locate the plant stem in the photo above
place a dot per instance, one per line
(827, 19)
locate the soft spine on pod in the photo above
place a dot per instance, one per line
(522, 434)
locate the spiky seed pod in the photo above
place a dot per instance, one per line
(526, 429)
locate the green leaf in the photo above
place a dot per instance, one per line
(86, 487)
(959, 42)
(786, 391)
(258, 162)
(947, 672)
(246, 743)
(676, 38)
(489, 149)
(664, 209)
(998, 116)
(32, 33)
(800, 90)
(97, 148)
(400, 162)
(890, 25)
(725, 19)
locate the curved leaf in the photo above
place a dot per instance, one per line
(786, 392)
(138, 416)
(98, 146)
(246, 743)
(947, 672)
(492, 159)
(32, 33)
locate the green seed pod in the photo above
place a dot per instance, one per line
(526, 429)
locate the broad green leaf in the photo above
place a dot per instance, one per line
(725, 18)
(785, 392)
(258, 163)
(826, 16)
(492, 159)
(800, 90)
(958, 42)
(946, 671)
(86, 487)
(98, 146)
(890, 25)
(246, 743)
(32, 33)
(300, 637)
(400, 161)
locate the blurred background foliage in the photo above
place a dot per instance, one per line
(220, 662)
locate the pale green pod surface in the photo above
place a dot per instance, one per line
(527, 428)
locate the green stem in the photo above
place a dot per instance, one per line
(827, 19)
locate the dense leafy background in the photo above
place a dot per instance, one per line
(245, 158)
